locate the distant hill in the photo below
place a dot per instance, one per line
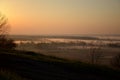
(30, 37)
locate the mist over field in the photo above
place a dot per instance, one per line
(72, 47)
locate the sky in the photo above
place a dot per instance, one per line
(62, 17)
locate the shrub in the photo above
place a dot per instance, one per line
(115, 62)
(7, 44)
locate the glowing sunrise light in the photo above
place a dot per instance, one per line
(57, 16)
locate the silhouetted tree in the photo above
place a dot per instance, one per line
(116, 61)
(5, 42)
(3, 26)
(95, 53)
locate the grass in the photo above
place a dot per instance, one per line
(26, 65)
(9, 75)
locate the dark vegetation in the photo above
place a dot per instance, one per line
(33, 66)
(114, 45)
(5, 42)
(116, 61)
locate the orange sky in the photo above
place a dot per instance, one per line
(36, 17)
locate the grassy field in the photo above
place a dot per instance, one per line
(25, 65)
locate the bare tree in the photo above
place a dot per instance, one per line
(95, 53)
(115, 61)
(5, 42)
(3, 26)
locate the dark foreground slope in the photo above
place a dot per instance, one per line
(31, 66)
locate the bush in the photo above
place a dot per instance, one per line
(7, 43)
(116, 61)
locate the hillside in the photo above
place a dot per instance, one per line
(22, 65)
